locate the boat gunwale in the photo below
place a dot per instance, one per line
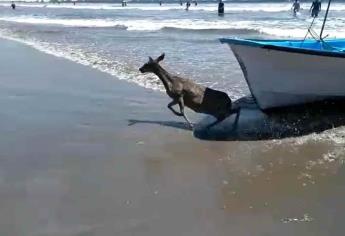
(264, 43)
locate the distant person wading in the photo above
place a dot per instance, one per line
(13, 5)
(220, 7)
(296, 7)
(187, 5)
(315, 8)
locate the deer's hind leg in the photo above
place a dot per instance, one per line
(221, 118)
(236, 111)
(170, 106)
(181, 104)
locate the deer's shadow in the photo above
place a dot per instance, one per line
(281, 123)
(253, 124)
(174, 124)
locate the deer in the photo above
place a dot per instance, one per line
(185, 92)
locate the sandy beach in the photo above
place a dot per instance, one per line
(82, 153)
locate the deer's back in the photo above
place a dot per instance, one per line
(191, 91)
(200, 98)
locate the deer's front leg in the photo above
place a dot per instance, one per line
(181, 104)
(170, 106)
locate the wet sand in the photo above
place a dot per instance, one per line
(85, 154)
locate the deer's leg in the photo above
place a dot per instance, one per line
(181, 104)
(170, 106)
(237, 111)
(216, 122)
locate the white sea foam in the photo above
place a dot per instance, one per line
(299, 33)
(135, 24)
(334, 137)
(207, 7)
(119, 69)
(64, 22)
(115, 68)
(273, 28)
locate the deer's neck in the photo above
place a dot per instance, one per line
(164, 76)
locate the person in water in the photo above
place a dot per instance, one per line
(187, 5)
(195, 2)
(181, 3)
(220, 7)
(160, 3)
(13, 5)
(296, 7)
(315, 8)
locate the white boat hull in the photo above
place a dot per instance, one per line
(280, 78)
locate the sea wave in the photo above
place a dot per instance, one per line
(117, 69)
(273, 28)
(137, 25)
(156, 7)
(209, 7)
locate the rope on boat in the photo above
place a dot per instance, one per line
(309, 31)
(324, 19)
(317, 37)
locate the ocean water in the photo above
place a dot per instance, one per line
(118, 40)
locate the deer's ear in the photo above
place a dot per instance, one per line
(160, 58)
(150, 59)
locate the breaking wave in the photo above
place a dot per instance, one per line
(272, 28)
(135, 25)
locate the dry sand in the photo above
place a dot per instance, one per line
(82, 153)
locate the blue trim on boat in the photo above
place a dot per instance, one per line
(335, 47)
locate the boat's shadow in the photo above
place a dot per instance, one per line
(254, 124)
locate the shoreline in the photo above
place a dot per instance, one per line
(50, 50)
(85, 154)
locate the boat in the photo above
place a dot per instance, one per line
(282, 73)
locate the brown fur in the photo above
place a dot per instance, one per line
(185, 92)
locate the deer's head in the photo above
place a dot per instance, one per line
(151, 64)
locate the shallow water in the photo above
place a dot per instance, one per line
(118, 39)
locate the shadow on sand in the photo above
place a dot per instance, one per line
(281, 123)
(174, 124)
(254, 124)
